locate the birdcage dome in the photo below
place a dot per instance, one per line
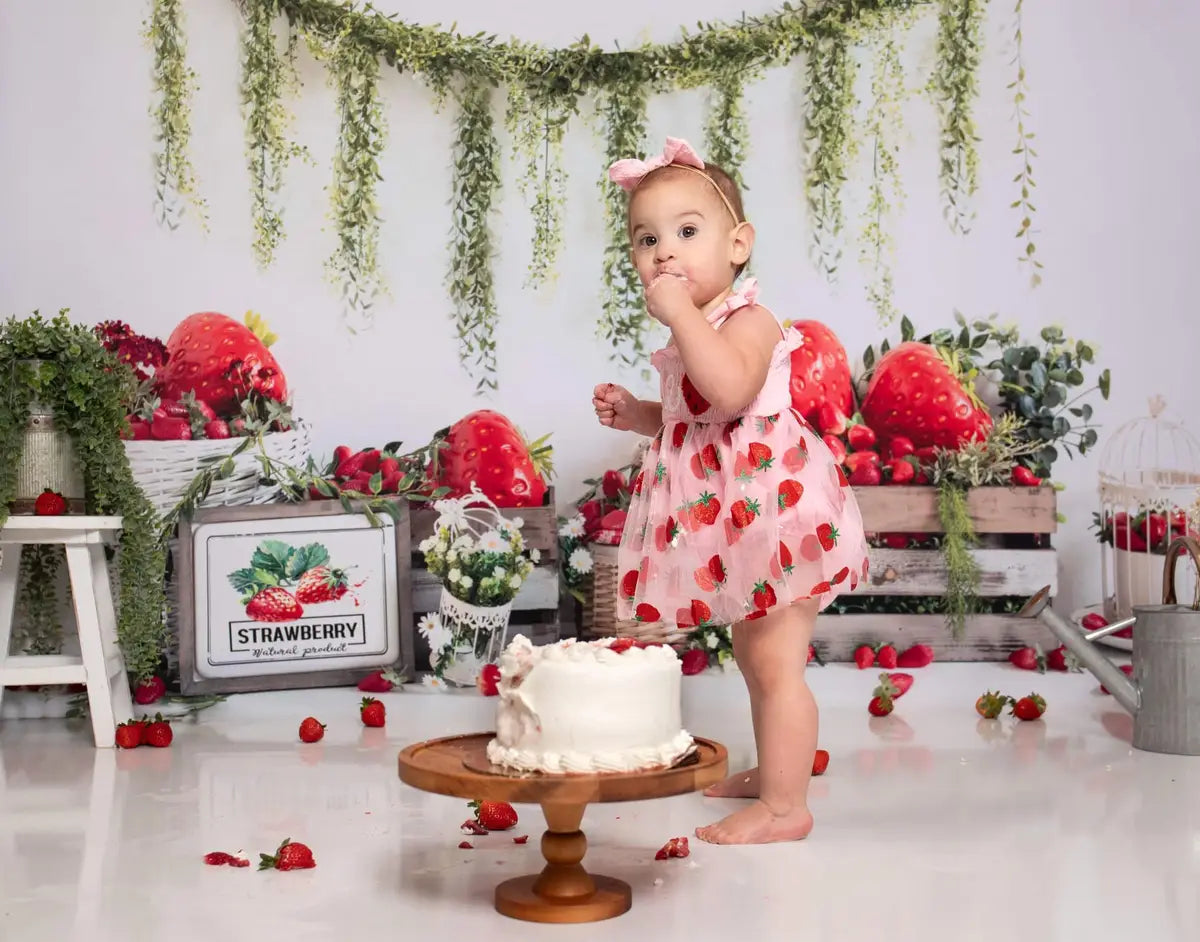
(1150, 461)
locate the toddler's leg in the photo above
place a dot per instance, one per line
(743, 784)
(775, 651)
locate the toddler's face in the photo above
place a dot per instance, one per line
(679, 225)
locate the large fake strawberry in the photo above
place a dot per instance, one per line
(485, 447)
(220, 360)
(820, 372)
(917, 393)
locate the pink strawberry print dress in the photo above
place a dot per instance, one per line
(733, 515)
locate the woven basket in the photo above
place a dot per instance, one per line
(599, 614)
(163, 470)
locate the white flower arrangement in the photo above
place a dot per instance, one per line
(576, 560)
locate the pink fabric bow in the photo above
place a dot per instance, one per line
(628, 173)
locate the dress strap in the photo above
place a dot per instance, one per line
(744, 297)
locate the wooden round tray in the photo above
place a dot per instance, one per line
(564, 891)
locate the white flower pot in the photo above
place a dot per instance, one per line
(478, 635)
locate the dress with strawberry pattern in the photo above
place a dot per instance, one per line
(734, 514)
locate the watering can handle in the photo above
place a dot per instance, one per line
(1178, 546)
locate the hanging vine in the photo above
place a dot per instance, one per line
(1025, 153)
(955, 81)
(829, 144)
(476, 184)
(726, 130)
(266, 75)
(174, 84)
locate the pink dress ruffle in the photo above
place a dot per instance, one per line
(733, 514)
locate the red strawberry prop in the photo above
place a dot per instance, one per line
(820, 372)
(484, 447)
(290, 856)
(50, 504)
(220, 360)
(693, 661)
(1023, 477)
(925, 396)
(831, 420)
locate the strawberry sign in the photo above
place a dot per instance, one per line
(286, 596)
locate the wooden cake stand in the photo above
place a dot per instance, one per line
(564, 891)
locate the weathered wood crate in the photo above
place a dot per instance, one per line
(535, 610)
(1014, 526)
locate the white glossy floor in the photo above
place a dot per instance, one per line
(931, 825)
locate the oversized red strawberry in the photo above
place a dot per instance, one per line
(693, 661)
(820, 372)
(50, 503)
(290, 856)
(695, 402)
(929, 399)
(372, 712)
(321, 584)
(494, 815)
(221, 361)
(484, 447)
(273, 604)
(311, 729)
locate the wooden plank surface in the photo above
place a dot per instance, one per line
(539, 591)
(992, 509)
(923, 572)
(986, 638)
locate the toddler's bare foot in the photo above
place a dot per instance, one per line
(741, 785)
(757, 824)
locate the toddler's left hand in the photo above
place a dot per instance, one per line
(667, 296)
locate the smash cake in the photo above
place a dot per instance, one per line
(609, 705)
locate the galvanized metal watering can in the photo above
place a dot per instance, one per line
(1164, 693)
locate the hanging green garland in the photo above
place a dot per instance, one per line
(174, 85)
(1025, 153)
(266, 75)
(955, 83)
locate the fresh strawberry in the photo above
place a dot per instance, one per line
(290, 856)
(899, 447)
(820, 372)
(790, 492)
(831, 420)
(321, 584)
(1028, 708)
(466, 845)
(902, 682)
(1023, 477)
(273, 604)
(695, 402)
(217, 428)
(1093, 621)
(836, 448)
(901, 471)
(488, 681)
(377, 682)
(860, 437)
(484, 447)
(693, 661)
(820, 762)
(50, 503)
(896, 541)
(1126, 669)
(218, 858)
(139, 429)
(221, 361)
(675, 847)
(372, 712)
(149, 691)
(169, 429)
(880, 706)
(311, 729)
(990, 704)
(1060, 659)
(866, 474)
(523, 839)
(919, 655)
(158, 733)
(647, 613)
(494, 815)
(864, 656)
(917, 393)
(1028, 659)
(130, 734)
(886, 656)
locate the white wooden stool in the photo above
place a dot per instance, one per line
(100, 665)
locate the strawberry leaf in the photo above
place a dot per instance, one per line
(306, 558)
(272, 556)
(243, 580)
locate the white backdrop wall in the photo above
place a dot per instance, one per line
(1113, 105)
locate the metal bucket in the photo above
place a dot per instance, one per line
(47, 460)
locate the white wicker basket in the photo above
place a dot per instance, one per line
(163, 470)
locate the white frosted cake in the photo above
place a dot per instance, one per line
(587, 706)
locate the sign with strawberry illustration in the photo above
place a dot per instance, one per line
(292, 596)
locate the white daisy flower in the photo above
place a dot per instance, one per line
(535, 555)
(492, 542)
(433, 683)
(580, 560)
(499, 573)
(712, 641)
(573, 527)
(427, 544)
(515, 582)
(428, 624)
(466, 582)
(454, 575)
(452, 556)
(517, 523)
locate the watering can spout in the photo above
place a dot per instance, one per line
(1106, 671)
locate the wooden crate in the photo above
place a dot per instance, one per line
(1014, 526)
(535, 611)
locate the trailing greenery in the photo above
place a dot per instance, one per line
(266, 75)
(962, 569)
(726, 130)
(956, 86)
(37, 629)
(65, 367)
(174, 85)
(1025, 153)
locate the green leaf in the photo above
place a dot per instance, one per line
(906, 328)
(242, 579)
(376, 483)
(272, 556)
(1037, 375)
(1075, 377)
(306, 558)
(1054, 396)
(1105, 383)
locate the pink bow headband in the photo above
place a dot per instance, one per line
(628, 173)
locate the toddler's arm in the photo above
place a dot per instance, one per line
(618, 408)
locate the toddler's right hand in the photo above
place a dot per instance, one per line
(615, 406)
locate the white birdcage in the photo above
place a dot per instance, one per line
(1149, 486)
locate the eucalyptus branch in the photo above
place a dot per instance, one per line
(1025, 153)
(956, 83)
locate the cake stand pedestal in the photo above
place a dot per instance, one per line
(564, 891)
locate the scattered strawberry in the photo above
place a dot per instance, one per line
(466, 845)
(899, 447)
(523, 839)
(290, 856)
(919, 655)
(1029, 708)
(1023, 477)
(820, 762)
(1028, 659)
(903, 683)
(218, 858)
(130, 734)
(693, 661)
(990, 704)
(372, 712)
(273, 603)
(488, 680)
(376, 683)
(883, 697)
(1093, 621)
(168, 428)
(864, 656)
(901, 471)
(886, 656)
(494, 815)
(675, 847)
(149, 691)
(158, 733)
(1060, 659)
(311, 729)
(1126, 669)
(471, 826)
(50, 503)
